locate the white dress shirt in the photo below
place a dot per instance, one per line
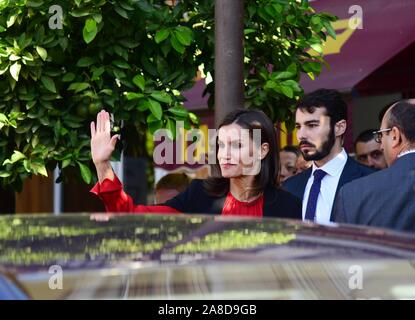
(325, 200)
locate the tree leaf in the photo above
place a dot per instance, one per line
(287, 91)
(34, 3)
(329, 29)
(176, 44)
(78, 86)
(155, 109)
(90, 30)
(126, 6)
(248, 31)
(17, 156)
(151, 118)
(145, 6)
(179, 111)
(283, 75)
(143, 105)
(3, 118)
(317, 47)
(97, 17)
(14, 57)
(97, 72)
(66, 163)
(171, 129)
(184, 35)
(128, 43)
(85, 62)
(161, 35)
(194, 118)
(48, 83)
(88, 36)
(28, 56)
(85, 172)
(293, 84)
(68, 77)
(39, 168)
(161, 96)
(121, 12)
(134, 95)
(119, 74)
(292, 68)
(11, 20)
(121, 64)
(15, 70)
(80, 13)
(90, 25)
(5, 174)
(154, 126)
(108, 92)
(270, 84)
(139, 81)
(312, 66)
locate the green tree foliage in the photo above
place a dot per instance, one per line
(283, 39)
(133, 58)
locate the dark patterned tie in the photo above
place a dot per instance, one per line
(310, 212)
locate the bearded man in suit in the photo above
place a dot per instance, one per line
(321, 123)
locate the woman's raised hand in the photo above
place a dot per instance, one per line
(102, 144)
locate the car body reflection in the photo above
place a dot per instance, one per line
(201, 257)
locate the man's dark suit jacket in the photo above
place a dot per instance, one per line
(352, 170)
(277, 203)
(383, 199)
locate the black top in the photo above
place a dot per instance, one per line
(277, 202)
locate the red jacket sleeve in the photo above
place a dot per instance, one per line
(116, 200)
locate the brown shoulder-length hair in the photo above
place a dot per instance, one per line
(218, 186)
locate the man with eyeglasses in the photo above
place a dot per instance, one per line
(368, 151)
(387, 197)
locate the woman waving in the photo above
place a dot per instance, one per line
(243, 180)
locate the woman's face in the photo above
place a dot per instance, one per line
(238, 154)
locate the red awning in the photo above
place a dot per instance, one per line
(388, 27)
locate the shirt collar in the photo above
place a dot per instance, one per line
(335, 166)
(406, 152)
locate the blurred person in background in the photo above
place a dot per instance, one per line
(368, 151)
(302, 164)
(288, 159)
(170, 186)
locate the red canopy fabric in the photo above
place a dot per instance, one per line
(388, 27)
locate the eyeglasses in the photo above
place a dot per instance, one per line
(378, 134)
